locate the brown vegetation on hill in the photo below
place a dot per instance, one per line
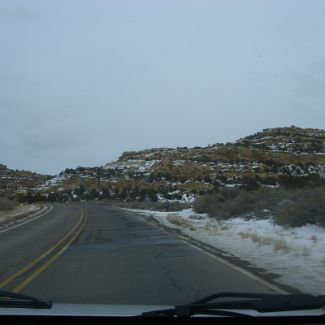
(289, 157)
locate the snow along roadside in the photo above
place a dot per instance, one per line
(22, 215)
(295, 255)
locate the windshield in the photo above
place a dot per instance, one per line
(158, 152)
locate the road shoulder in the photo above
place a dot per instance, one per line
(22, 215)
(232, 261)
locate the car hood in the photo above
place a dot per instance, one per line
(59, 309)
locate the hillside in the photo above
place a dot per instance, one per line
(274, 157)
(291, 139)
(19, 181)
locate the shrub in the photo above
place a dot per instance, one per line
(149, 205)
(303, 207)
(212, 203)
(312, 180)
(291, 207)
(231, 202)
(6, 204)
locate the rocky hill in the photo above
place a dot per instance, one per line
(19, 181)
(291, 139)
(274, 157)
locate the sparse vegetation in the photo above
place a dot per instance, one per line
(290, 207)
(266, 170)
(278, 244)
(6, 204)
(148, 205)
(227, 203)
(179, 221)
(302, 207)
(18, 181)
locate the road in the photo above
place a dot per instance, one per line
(93, 253)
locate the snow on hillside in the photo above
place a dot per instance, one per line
(289, 139)
(273, 157)
(295, 255)
(132, 165)
(54, 181)
(185, 197)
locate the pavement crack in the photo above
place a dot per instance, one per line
(167, 274)
(197, 294)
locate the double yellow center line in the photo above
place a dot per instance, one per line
(66, 241)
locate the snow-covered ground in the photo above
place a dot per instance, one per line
(296, 255)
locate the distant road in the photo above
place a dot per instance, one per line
(92, 253)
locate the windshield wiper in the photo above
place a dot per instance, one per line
(15, 300)
(248, 301)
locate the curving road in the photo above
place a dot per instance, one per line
(94, 253)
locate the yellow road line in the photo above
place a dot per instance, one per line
(41, 269)
(42, 256)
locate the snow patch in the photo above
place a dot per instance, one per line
(295, 255)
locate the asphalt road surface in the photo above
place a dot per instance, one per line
(93, 253)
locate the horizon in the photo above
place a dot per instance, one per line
(154, 148)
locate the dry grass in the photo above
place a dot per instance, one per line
(181, 222)
(278, 244)
(6, 204)
(16, 214)
(211, 229)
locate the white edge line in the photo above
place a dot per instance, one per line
(237, 268)
(47, 208)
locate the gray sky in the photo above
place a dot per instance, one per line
(83, 81)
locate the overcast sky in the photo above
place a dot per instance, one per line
(83, 81)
